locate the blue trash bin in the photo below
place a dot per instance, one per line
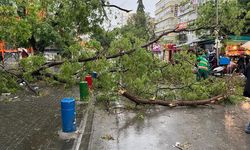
(68, 115)
(94, 74)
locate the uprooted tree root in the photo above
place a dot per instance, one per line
(175, 103)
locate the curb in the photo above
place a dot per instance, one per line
(85, 127)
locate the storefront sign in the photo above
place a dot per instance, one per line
(181, 26)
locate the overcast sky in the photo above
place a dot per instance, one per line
(116, 17)
(132, 4)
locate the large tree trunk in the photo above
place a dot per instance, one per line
(170, 103)
(33, 43)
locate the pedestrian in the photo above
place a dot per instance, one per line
(202, 65)
(247, 60)
(212, 59)
(246, 92)
(231, 67)
(241, 63)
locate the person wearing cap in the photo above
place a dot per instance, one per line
(203, 67)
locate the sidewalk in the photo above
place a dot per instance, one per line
(32, 123)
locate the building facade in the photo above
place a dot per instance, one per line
(166, 17)
(172, 14)
(187, 14)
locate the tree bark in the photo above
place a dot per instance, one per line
(175, 103)
(33, 43)
(52, 64)
(114, 6)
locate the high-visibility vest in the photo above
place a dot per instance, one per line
(202, 63)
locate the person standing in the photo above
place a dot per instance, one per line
(246, 92)
(202, 65)
(241, 63)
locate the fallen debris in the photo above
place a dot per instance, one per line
(174, 103)
(107, 137)
(6, 94)
(182, 146)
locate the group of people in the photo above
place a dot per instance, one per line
(206, 62)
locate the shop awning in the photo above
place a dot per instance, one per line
(246, 45)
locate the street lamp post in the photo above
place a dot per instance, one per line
(217, 33)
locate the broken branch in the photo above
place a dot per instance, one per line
(169, 103)
(52, 64)
(115, 6)
(173, 31)
(122, 53)
(21, 78)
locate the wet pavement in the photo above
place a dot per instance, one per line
(159, 128)
(31, 123)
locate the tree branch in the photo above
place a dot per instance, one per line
(169, 103)
(20, 77)
(122, 53)
(56, 78)
(174, 31)
(158, 38)
(176, 88)
(52, 64)
(115, 6)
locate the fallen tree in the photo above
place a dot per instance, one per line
(126, 63)
(119, 54)
(232, 83)
(170, 103)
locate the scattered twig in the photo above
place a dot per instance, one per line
(178, 147)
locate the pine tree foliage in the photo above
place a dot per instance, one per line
(140, 8)
(139, 72)
(233, 16)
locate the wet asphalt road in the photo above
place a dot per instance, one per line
(204, 128)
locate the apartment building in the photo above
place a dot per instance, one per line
(171, 14)
(187, 13)
(166, 17)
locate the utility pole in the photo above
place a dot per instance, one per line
(217, 32)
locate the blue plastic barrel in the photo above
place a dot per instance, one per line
(224, 61)
(68, 115)
(94, 74)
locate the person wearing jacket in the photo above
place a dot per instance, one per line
(203, 67)
(246, 92)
